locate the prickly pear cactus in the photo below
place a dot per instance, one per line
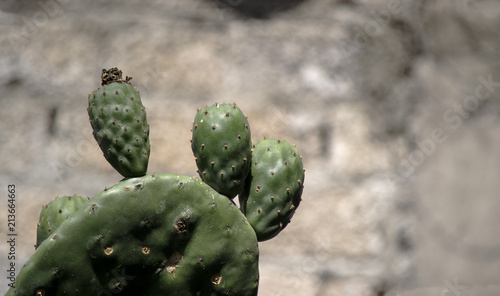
(166, 234)
(273, 189)
(221, 145)
(55, 213)
(119, 124)
(153, 235)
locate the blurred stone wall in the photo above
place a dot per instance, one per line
(393, 103)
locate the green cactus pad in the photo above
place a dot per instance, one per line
(152, 235)
(119, 124)
(55, 213)
(273, 189)
(221, 145)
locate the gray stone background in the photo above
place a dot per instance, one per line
(394, 105)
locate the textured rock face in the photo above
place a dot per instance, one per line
(392, 103)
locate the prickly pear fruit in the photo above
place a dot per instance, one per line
(273, 189)
(55, 213)
(221, 145)
(159, 234)
(119, 124)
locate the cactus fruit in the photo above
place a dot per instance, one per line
(273, 189)
(119, 124)
(55, 213)
(159, 234)
(221, 145)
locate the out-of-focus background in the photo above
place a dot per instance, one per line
(394, 105)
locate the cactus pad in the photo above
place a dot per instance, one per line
(273, 189)
(152, 235)
(55, 213)
(119, 124)
(221, 145)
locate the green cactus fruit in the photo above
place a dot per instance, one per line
(152, 235)
(221, 145)
(55, 213)
(274, 187)
(119, 124)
